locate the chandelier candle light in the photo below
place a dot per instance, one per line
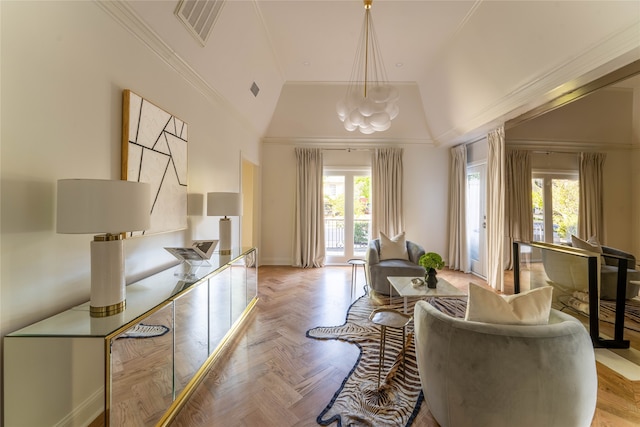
(369, 104)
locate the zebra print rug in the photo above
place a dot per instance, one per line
(631, 313)
(359, 401)
(607, 311)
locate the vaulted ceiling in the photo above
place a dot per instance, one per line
(462, 67)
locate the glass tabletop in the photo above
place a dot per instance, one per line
(405, 288)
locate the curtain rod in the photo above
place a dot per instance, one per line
(478, 139)
(346, 149)
(551, 151)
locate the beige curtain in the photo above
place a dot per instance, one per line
(495, 209)
(386, 183)
(590, 205)
(309, 215)
(518, 203)
(458, 248)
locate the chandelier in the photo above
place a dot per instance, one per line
(370, 102)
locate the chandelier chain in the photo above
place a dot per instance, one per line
(370, 107)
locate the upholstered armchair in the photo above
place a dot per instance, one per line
(478, 374)
(565, 271)
(378, 269)
(609, 273)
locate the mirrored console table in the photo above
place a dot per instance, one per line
(134, 368)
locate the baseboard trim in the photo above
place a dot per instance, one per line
(618, 363)
(85, 413)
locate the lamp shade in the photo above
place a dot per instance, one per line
(89, 206)
(224, 204)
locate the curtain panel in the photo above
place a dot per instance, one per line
(590, 204)
(518, 202)
(458, 247)
(495, 209)
(386, 183)
(309, 247)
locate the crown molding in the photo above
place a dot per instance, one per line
(342, 142)
(126, 16)
(570, 146)
(619, 50)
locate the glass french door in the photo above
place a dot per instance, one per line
(555, 206)
(347, 214)
(476, 218)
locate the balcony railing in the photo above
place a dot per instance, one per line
(334, 233)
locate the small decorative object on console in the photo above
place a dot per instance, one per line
(200, 250)
(193, 257)
(417, 282)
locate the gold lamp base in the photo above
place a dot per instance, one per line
(109, 310)
(225, 236)
(108, 293)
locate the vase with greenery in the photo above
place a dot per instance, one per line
(431, 262)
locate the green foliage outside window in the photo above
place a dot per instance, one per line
(564, 207)
(362, 192)
(361, 232)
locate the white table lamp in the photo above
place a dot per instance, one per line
(224, 204)
(89, 206)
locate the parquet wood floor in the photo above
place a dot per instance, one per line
(272, 375)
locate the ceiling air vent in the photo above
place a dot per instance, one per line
(254, 89)
(199, 16)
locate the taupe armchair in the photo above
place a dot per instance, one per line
(378, 271)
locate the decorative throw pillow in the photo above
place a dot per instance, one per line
(526, 308)
(591, 245)
(394, 248)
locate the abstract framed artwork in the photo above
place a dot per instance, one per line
(154, 150)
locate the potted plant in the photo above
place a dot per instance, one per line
(431, 262)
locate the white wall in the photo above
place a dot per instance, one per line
(64, 66)
(618, 198)
(425, 196)
(603, 117)
(278, 208)
(307, 111)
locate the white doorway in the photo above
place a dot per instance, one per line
(249, 221)
(347, 215)
(477, 218)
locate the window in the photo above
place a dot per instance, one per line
(555, 206)
(347, 213)
(476, 217)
